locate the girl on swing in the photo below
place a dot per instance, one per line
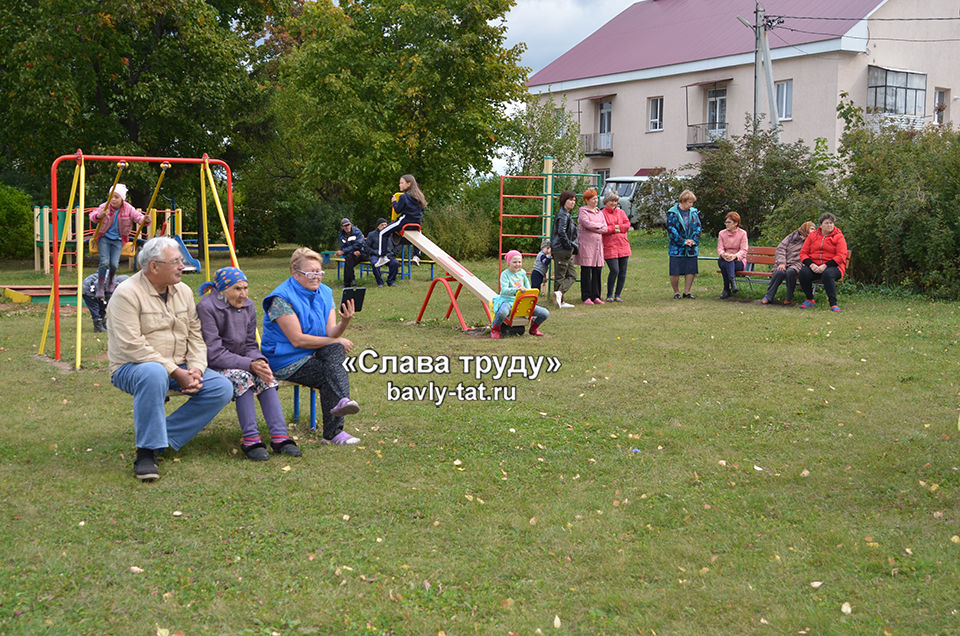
(115, 218)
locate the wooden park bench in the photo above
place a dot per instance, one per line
(766, 256)
(758, 256)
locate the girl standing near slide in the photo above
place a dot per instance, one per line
(410, 206)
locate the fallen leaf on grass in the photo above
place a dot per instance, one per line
(177, 513)
(136, 570)
(286, 469)
(757, 468)
(556, 622)
(846, 609)
(805, 473)
(533, 521)
(346, 517)
(763, 621)
(457, 462)
(816, 584)
(955, 539)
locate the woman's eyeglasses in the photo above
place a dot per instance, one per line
(311, 275)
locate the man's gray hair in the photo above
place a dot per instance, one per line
(153, 250)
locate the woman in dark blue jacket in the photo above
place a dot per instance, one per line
(409, 206)
(683, 228)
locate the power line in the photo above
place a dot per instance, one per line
(807, 17)
(857, 37)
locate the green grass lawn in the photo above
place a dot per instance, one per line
(694, 467)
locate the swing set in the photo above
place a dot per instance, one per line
(77, 191)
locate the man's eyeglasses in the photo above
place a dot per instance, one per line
(311, 275)
(176, 261)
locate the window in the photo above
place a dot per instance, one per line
(716, 112)
(560, 116)
(655, 108)
(941, 98)
(604, 174)
(605, 112)
(896, 92)
(785, 100)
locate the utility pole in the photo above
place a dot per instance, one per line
(768, 64)
(761, 55)
(756, 60)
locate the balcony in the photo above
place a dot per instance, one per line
(707, 135)
(597, 144)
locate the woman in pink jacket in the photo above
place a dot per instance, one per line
(616, 245)
(590, 248)
(115, 219)
(732, 252)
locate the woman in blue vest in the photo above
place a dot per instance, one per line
(683, 228)
(304, 343)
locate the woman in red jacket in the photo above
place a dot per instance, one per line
(824, 256)
(616, 245)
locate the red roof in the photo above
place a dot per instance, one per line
(655, 33)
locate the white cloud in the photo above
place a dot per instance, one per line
(551, 27)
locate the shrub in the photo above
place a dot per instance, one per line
(750, 174)
(318, 226)
(464, 232)
(901, 203)
(16, 219)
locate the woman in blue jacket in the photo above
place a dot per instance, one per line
(683, 228)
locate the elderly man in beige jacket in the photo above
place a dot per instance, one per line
(155, 345)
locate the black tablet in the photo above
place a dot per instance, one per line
(353, 293)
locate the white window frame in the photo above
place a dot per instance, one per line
(716, 112)
(896, 92)
(941, 96)
(605, 125)
(655, 114)
(784, 100)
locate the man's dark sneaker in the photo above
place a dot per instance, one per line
(145, 465)
(286, 447)
(256, 452)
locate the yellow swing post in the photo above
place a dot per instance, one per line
(223, 223)
(59, 256)
(223, 219)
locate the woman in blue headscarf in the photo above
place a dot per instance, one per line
(229, 320)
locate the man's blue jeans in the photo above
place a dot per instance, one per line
(148, 383)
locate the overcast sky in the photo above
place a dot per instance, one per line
(552, 27)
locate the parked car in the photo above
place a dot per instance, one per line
(631, 195)
(646, 199)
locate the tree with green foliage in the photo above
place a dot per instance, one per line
(751, 174)
(541, 129)
(154, 78)
(900, 202)
(393, 87)
(16, 219)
